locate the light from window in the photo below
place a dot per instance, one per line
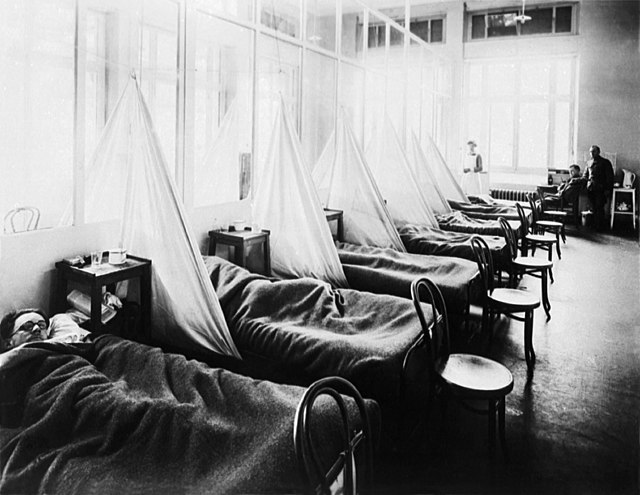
(544, 20)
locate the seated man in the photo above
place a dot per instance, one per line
(568, 192)
(33, 325)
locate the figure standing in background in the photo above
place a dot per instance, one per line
(599, 177)
(471, 168)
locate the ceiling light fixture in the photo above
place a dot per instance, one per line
(522, 18)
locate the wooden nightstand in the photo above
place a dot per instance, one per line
(106, 275)
(336, 215)
(241, 240)
(620, 194)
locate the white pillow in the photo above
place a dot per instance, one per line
(63, 329)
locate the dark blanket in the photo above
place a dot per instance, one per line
(302, 330)
(457, 221)
(387, 271)
(121, 417)
(419, 239)
(484, 211)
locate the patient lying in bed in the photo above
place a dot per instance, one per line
(33, 325)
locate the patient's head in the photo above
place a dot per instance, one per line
(25, 325)
(574, 170)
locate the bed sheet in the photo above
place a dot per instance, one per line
(484, 211)
(120, 417)
(457, 221)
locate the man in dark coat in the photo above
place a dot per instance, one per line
(599, 176)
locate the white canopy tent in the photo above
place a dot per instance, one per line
(345, 183)
(426, 179)
(128, 166)
(396, 179)
(445, 180)
(286, 202)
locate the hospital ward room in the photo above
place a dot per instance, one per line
(320, 247)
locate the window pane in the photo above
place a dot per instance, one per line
(36, 107)
(352, 22)
(563, 19)
(278, 75)
(541, 21)
(318, 108)
(350, 91)
(396, 37)
(420, 29)
(564, 71)
(562, 136)
(283, 16)
(377, 32)
(534, 129)
(534, 78)
(501, 24)
(477, 27)
(321, 23)
(223, 123)
(242, 9)
(501, 135)
(502, 79)
(437, 30)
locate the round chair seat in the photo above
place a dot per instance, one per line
(555, 213)
(477, 376)
(541, 238)
(532, 262)
(549, 224)
(514, 300)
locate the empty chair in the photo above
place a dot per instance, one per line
(21, 219)
(505, 301)
(466, 377)
(540, 225)
(517, 266)
(544, 241)
(325, 480)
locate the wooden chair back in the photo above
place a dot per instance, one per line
(509, 237)
(482, 255)
(436, 334)
(320, 480)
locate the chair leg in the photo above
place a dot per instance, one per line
(563, 234)
(550, 252)
(529, 353)
(545, 294)
(558, 243)
(501, 426)
(491, 413)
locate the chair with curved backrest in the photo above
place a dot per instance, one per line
(466, 377)
(545, 242)
(505, 301)
(526, 265)
(553, 207)
(343, 470)
(541, 226)
(21, 219)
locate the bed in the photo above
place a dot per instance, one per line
(485, 211)
(302, 330)
(116, 416)
(387, 271)
(456, 221)
(419, 239)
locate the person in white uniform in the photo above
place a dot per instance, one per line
(471, 168)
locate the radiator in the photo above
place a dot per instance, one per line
(511, 194)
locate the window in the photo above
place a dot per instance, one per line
(282, 16)
(544, 20)
(321, 23)
(521, 113)
(352, 19)
(428, 30)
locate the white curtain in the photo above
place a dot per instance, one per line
(396, 180)
(426, 179)
(445, 180)
(286, 202)
(345, 183)
(128, 157)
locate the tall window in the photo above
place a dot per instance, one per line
(521, 113)
(429, 30)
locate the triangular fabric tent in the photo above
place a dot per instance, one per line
(345, 183)
(445, 180)
(426, 179)
(286, 202)
(396, 180)
(219, 170)
(185, 308)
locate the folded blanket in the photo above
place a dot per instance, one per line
(485, 211)
(306, 330)
(128, 418)
(387, 271)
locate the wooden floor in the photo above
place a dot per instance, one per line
(573, 427)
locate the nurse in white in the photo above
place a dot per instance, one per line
(471, 168)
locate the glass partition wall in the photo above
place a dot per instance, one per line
(213, 73)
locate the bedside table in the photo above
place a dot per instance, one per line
(241, 240)
(337, 216)
(621, 194)
(106, 275)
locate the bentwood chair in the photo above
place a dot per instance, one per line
(342, 476)
(506, 301)
(545, 241)
(466, 377)
(526, 265)
(541, 226)
(21, 219)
